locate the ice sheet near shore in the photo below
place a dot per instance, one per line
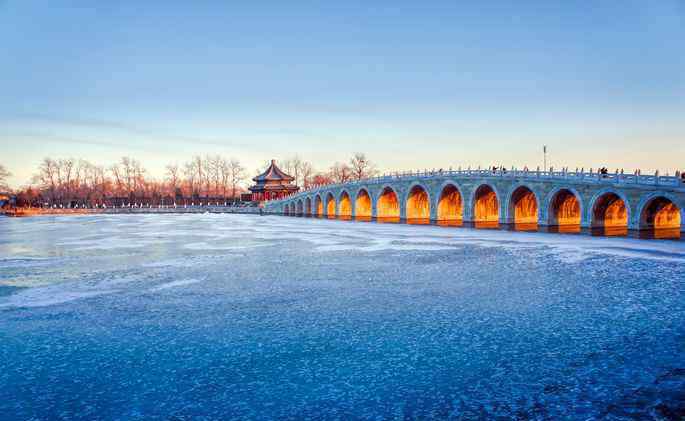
(219, 316)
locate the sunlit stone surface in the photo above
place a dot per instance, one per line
(610, 211)
(319, 206)
(450, 207)
(486, 208)
(330, 206)
(176, 317)
(345, 206)
(525, 207)
(418, 206)
(565, 211)
(661, 219)
(388, 206)
(363, 209)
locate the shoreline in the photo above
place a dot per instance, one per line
(29, 212)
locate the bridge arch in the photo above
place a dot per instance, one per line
(609, 212)
(308, 206)
(330, 205)
(450, 204)
(417, 204)
(523, 207)
(661, 215)
(345, 205)
(363, 208)
(564, 209)
(388, 205)
(286, 209)
(318, 206)
(300, 209)
(485, 206)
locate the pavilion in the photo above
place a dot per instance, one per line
(272, 184)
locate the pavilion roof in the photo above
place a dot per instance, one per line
(273, 173)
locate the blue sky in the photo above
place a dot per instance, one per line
(412, 84)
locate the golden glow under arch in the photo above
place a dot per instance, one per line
(388, 206)
(450, 206)
(485, 207)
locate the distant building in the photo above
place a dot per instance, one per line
(272, 184)
(5, 199)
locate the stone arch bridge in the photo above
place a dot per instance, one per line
(611, 204)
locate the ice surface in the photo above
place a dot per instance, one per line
(247, 317)
(47, 296)
(174, 284)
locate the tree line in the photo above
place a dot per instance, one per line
(70, 182)
(357, 168)
(4, 175)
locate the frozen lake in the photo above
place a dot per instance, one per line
(235, 316)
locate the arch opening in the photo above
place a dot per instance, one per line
(286, 209)
(450, 207)
(308, 207)
(660, 218)
(523, 209)
(418, 206)
(318, 204)
(330, 206)
(345, 206)
(300, 208)
(485, 208)
(610, 216)
(362, 206)
(388, 207)
(564, 212)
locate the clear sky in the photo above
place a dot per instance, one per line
(413, 84)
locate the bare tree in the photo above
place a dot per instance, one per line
(190, 173)
(173, 177)
(340, 173)
(127, 174)
(361, 167)
(320, 179)
(64, 174)
(94, 185)
(215, 163)
(4, 175)
(307, 170)
(197, 164)
(129, 178)
(236, 173)
(296, 168)
(140, 184)
(47, 177)
(207, 172)
(118, 179)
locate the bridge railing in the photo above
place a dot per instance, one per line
(563, 175)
